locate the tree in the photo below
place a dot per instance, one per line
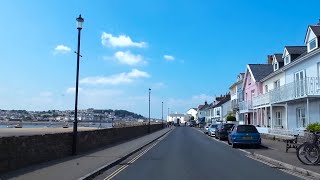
(231, 118)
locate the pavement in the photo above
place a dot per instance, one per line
(186, 154)
(275, 153)
(85, 165)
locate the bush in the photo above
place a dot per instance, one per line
(231, 118)
(314, 127)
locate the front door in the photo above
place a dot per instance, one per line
(301, 117)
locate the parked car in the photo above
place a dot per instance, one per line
(212, 130)
(206, 128)
(222, 130)
(244, 134)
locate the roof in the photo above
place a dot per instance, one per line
(316, 30)
(279, 57)
(224, 100)
(296, 49)
(259, 71)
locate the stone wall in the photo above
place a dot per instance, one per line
(22, 151)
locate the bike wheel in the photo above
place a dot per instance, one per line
(308, 153)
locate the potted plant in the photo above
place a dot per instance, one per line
(231, 118)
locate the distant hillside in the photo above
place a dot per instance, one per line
(119, 113)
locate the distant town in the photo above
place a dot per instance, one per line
(88, 115)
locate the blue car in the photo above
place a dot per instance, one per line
(244, 134)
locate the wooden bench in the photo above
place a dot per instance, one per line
(297, 140)
(292, 142)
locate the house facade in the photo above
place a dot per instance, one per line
(236, 96)
(252, 86)
(291, 96)
(192, 112)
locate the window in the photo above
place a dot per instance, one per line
(287, 59)
(218, 112)
(276, 84)
(266, 88)
(278, 118)
(312, 44)
(276, 66)
(252, 94)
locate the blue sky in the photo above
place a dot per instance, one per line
(185, 51)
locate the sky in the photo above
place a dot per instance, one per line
(187, 52)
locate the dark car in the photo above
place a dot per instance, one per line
(222, 130)
(244, 134)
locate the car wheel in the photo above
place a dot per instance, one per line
(220, 138)
(234, 145)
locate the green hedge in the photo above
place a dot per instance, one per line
(314, 127)
(231, 118)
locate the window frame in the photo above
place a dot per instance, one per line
(315, 44)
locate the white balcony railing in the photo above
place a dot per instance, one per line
(299, 89)
(261, 100)
(245, 106)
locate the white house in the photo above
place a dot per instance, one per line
(192, 112)
(177, 117)
(236, 95)
(291, 94)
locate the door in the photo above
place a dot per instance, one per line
(299, 83)
(301, 117)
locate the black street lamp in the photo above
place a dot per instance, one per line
(162, 113)
(149, 130)
(80, 20)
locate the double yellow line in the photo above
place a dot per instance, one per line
(130, 162)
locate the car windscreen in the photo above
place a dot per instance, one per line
(246, 129)
(228, 126)
(214, 126)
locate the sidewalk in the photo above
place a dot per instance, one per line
(276, 150)
(81, 165)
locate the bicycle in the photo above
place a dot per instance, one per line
(309, 152)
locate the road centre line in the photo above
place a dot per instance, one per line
(113, 174)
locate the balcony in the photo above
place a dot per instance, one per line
(308, 87)
(245, 106)
(235, 104)
(261, 100)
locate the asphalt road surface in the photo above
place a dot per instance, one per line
(188, 154)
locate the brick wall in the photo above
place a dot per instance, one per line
(22, 151)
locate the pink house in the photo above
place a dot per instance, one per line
(252, 87)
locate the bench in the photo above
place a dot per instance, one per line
(292, 142)
(297, 140)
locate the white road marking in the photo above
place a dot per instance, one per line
(116, 172)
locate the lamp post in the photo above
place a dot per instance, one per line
(162, 113)
(80, 20)
(149, 130)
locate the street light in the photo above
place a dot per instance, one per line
(162, 114)
(149, 130)
(80, 20)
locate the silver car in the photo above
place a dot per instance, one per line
(212, 130)
(206, 128)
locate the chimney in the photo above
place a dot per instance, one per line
(269, 59)
(205, 103)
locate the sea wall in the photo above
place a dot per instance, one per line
(22, 151)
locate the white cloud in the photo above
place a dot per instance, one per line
(168, 57)
(128, 58)
(122, 78)
(120, 41)
(73, 90)
(61, 49)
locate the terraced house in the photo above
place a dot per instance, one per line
(290, 95)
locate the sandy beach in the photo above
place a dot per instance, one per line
(6, 132)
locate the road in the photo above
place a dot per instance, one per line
(187, 153)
